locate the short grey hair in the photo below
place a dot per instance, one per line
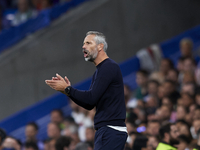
(99, 38)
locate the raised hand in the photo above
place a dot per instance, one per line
(58, 83)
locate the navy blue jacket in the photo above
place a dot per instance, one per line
(106, 93)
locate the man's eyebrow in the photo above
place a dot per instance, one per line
(86, 42)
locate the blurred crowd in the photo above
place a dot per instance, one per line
(166, 105)
(164, 109)
(15, 12)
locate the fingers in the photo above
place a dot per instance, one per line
(59, 77)
(50, 81)
(67, 81)
(55, 78)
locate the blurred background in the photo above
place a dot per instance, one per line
(156, 44)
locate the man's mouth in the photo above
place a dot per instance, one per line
(85, 52)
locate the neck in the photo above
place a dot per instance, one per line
(31, 139)
(166, 141)
(101, 57)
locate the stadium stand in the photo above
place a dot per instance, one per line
(12, 35)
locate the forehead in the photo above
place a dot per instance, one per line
(89, 38)
(173, 127)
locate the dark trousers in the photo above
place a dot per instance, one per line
(107, 138)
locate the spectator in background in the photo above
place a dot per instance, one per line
(173, 75)
(45, 4)
(31, 132)
(2, 136)
(189, 65)
(24, 12)
(30, 146)
(58, 117)
(165, 66)
(195, 127)
(188, 68)
(197, 98)
(188, 87)
(83, 146)
(181, 112)
(184, 142)
(63, 143)
(36, 4)
(186, 46)
(141, 80)
(11, 143)
(90, 134)
(53, 130)
(165, 114)
(127, 94)
(170, 89)
(180, 64)
(152, 142)
(169, 137)
(153, 88)
(153, 128)
(186, 100)
(72, 131)
(140, 142)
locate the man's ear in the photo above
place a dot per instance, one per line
(100, 46)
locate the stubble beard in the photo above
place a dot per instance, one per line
(173, 141)
(91, 55)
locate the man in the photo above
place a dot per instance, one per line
(58, 117)
(63, 143)
(83, 146)
(31, 146)
(10, 143)
(2, 136)
(153, 128)
(31, 132)
(169, 136)
(106, 93)
(53, 130)
(24, 13)
(186, 46)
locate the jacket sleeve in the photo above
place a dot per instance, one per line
(88, 99)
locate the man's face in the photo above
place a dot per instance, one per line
(52, 130)
(152, 143)
(152, 89)
(56, 117)
(165, 113)
(171, 75)
(141, 80)
(30, 132)
(90, 48)
(153, 128)
(168, 87)
(174, 133)
(188, 65)
(181, 113)
(89, 133)
(186, 49)
(164, 66)
(196, 125)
